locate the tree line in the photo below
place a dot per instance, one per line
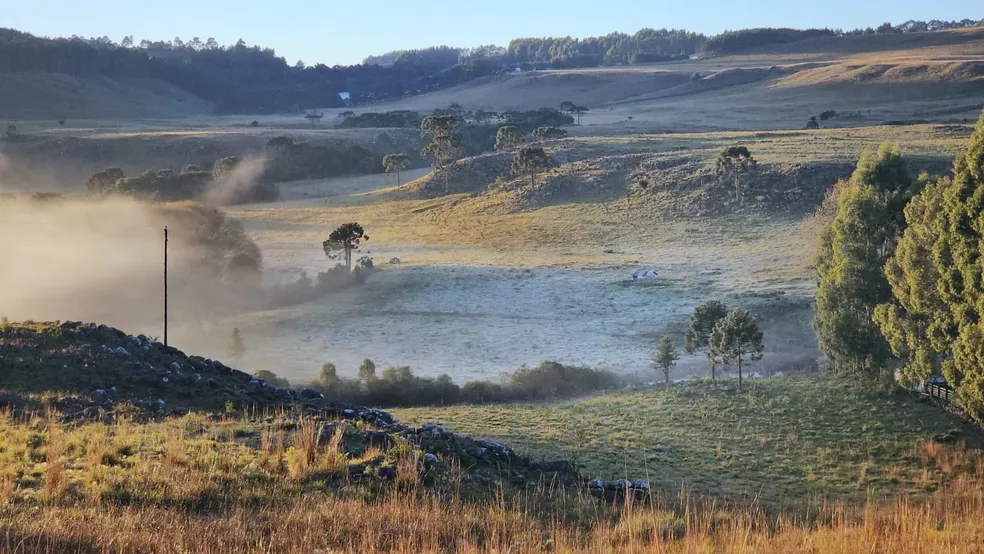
(901, 274)
(239, 78)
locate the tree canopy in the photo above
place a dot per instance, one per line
(666, 357)
(850, 261)
(736, 338)
(933, 319)
(343, 241)
(508, 137)
(531, 160)
(698, 335)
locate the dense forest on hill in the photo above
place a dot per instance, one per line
(250, 79)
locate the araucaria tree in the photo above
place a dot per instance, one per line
(396, 163)
(935, 319)
(666, 357)
(706, 315)
(443, 148)
(850, 263)
(737, 338)
(343, 241)
(578, 111)
(735, 163)
(508, 137)
(530, 160)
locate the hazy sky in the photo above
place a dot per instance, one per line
(344, 32)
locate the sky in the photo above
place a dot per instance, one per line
(346, 31)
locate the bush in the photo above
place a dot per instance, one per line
(398, 386)
(396, 119)
(272, 379)
(549, 133)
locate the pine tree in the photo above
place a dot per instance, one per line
(666, 357)
(737, 338)
(850, 262)
(706, 315)
(934, 320)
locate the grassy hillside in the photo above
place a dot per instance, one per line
(783, 440)
(284, 483)
(57, 96)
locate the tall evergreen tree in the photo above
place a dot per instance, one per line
(850, 262)
(935, 320)
(698, 335)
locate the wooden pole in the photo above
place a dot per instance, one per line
(165, 285)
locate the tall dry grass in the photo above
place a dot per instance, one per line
(128, 488)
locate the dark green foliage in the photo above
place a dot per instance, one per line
(737, 338)
(531, 160)
(508, 138)
(813, 123)
(290, 161)
(850, 262)
(933, 320)
(542, 117)
(615, 48)
(666, 356)
(828, 114)
(343, 241)
(706, 315)
(165, 185)
(398, 386)
(400, 119)
(730, 42)
(549, 133)
(444, 148)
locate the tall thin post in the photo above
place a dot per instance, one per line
(165, 285)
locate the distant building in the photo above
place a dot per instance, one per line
(345, 96)
(695, 56)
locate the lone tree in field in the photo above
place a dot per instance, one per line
(566, 106)
(396, 163)
(508, 137)
(666, 356)
(737, 338)
(706, 315)
(813, 123)
(237, 348)
(734, 163)
(578, 111)
(530, 160)
(343, 241)
(851, 259)
(549, 133)
(443, 148)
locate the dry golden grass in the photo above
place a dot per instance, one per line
(116, 488)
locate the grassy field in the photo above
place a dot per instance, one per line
(198, 484)
(782, 441)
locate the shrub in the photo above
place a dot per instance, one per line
(398, 386)
(272, 378)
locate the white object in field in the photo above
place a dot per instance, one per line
(644, 274)
(345, 96)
